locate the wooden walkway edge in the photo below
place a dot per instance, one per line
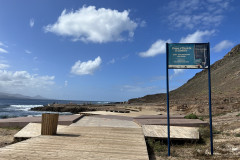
(82, 143)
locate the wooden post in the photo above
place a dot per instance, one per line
(49, 124)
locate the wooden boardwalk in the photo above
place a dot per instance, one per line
(82, 143)
(176, 132)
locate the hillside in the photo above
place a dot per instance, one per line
(18, 96)
(225, 77)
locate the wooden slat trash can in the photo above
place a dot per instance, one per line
(49, 124)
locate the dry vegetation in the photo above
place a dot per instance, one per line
(226, 142)
(6, 135)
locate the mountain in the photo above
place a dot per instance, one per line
(18, 96)
(225, 81)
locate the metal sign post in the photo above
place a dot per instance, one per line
(168, 121)
(210, 101)
(188, 56)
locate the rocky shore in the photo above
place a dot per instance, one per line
(73, 108)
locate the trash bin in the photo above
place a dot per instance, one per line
(49, 124)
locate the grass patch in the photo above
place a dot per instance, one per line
(237, 135)
(191, 116)
(219, 114)
(227, 134)
(156, 147)
(216, 131)
(238, 115)
(201, 118)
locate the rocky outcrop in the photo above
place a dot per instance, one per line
(73, 108)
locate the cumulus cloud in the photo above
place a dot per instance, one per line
(84, 68)
(31, 22)
(21, 80)
(3, 50)
(197, 37)
(158, 47)
(4, 66)
(89, 24)
(197, 14)
(223, 45)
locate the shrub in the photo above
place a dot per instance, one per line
(237, 135)
(201, 118)
(4, 116)
(156, 146)
(191, 116)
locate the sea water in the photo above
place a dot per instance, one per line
(10, 108)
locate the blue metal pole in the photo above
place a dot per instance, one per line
(168, 122)
(210, 101)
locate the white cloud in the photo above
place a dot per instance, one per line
(89, 24)
(223, 45)
(159, 47)
(2, 44)
(197, 37)
(31, 22)
(65, 83)
(22, 80)
(27, 51)
(3, 50)
(176, 72)
(125, 57)
(4, 66)
(111, 61)
(84, 68)
(197, 13)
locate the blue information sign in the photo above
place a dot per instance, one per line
(188, 55)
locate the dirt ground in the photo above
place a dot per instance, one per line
(226, 142)
(7, 135)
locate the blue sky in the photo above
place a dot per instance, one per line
(109, 50)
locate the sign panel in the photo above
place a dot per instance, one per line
(188, 55)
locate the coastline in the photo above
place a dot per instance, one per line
(73, 108)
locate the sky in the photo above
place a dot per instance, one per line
(106, 50)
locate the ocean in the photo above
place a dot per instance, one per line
(10, 108)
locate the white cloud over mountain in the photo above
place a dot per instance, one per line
(85, 68)
(225, 44)
(89, 24)
(21, 80)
